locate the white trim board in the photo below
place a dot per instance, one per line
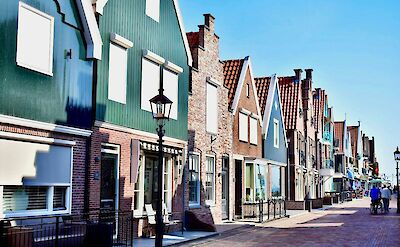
(90, 29)
(44, 126)
(37, 139)
(235, 103)
(274, 84)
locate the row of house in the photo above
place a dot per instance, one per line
(77, 132)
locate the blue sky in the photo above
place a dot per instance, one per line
(353, 47)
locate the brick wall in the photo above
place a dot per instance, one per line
(79, 159)
(205, 52)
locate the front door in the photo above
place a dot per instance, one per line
(225, 188)
(108, 193)
(238, 187)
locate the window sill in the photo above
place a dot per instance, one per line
(210, 204)
(194, 206)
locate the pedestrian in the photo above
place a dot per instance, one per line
(375, 195)
(385, 194)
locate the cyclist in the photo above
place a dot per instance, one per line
(375, 195)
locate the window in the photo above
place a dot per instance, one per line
(37, 182)
(35, 39)
(153, 9)
(260, 182)
(150, 82)
(167, 188)
(255, 182)
(276, 133)
(212, 108)
(194, 179)
(253, 131)
(276, 181)
(210, 180)
(243, 127)
(145, 188)
(20, 199)
(249, 182)
(248, 90)
(170, 80)
(117, 73)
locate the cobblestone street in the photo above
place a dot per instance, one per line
(348, 224)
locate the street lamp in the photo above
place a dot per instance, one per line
(397, 159)
(160, 108)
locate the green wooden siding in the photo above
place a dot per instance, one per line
(65, 97)
(128, 19)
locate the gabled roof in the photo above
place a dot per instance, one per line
(262, 85)
(266, 87)
(232, 70)
(234, 76)
(340, 134)
(354, 130)
(290, 92)
(99, 5)
(91, 30)
(319, 106)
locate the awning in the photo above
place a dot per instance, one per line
(154, 147)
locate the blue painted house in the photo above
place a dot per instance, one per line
(275, 146)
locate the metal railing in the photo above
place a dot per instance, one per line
(264, 210)
(104, 228)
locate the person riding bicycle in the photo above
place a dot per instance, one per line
(375, 195)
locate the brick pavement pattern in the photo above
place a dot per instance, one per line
(348, 224)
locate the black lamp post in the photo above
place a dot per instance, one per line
(160, 108)
(397, 159)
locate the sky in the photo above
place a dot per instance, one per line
(353, 46)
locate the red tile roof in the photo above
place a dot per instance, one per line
(339, 134)
(290, 93)
(232, 70)
(354, 142)
(262, 85)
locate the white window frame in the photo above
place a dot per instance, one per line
(276, 133)
(49, 210)
(243, 127)
(168, 162)
(253, 131)
(211, 120)
(153, 9)
(212, 201)
(196, 203)
(20, 57)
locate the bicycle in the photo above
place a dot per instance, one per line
(376, 206)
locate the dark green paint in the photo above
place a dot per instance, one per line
(128, 19)
(65, 97)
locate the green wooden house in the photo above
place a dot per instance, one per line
(143, 41)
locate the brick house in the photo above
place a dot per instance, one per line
(249, 166)
(210, 134)
(275, 148)
(144, 43)
(45, 103)
(292, 108)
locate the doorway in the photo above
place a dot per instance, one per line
(225, 188)
(238, 187)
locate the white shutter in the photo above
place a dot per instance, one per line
(117, 73)
(34, 164)
(243, 127)
(253, 131)
(212, 108)
(153, 9)
(150, 82)
(35, 39)
(170, 80)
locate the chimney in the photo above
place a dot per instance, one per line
(209, 21)
(298, 74)
(309, 74)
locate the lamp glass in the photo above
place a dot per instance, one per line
(397, 154)
(160, 107)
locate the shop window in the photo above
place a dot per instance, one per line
(276, 181)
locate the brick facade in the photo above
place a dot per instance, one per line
(205, 51)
